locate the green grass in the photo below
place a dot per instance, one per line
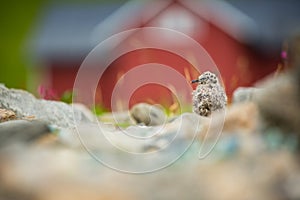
(99, 109)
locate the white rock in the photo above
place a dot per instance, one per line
(25, 104)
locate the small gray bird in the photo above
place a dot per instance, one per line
(209, 95)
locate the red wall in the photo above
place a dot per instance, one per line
(238, 65)
(151, 92)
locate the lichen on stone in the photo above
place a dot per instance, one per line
(6, 115)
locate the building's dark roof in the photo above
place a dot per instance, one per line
(275, 19)
(65, 29)
(68, 30)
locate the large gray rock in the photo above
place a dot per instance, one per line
(278, 102)
(25, 104)
(63, 174)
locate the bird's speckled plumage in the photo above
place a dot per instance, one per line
(209, 95)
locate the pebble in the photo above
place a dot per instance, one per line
(150, 115)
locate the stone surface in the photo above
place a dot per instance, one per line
(25, 104)
(150, 115)
(85, 110)
(244, 94)
(67, 174)
(242, 117)
(278, 102)
(133, 138)
(117, 118)
(21, 131)
(209, 96)
(6, 115)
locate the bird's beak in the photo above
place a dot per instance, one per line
(195, 81)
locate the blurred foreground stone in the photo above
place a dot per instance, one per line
(21, 131)
(244, 94)
(62, 174)
(279, 102)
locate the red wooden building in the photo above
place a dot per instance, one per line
(231, 36)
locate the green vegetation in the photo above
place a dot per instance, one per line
(99, 109)
(16, 18)
(67, 96)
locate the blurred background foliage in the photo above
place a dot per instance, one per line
(16, 20)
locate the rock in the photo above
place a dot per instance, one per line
(294, 58)
(209, 95)
(21, 131)
(6, 115)
(84, 110)
(25, 104)
(294, 51)
(117, 118)
(36, 172)
(279, 99)
(241, 118)
(134, 138)
(278, 102)
(244, 94)
(58, 178)
(150, 115)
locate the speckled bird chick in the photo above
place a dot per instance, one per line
(209, 95)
